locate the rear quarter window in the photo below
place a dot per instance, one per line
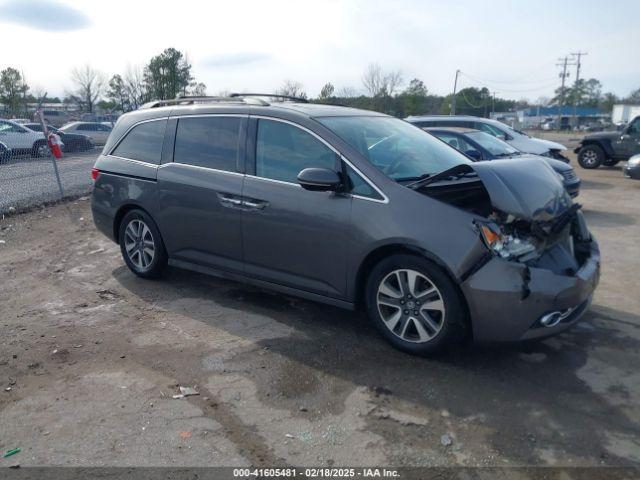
(143, 142)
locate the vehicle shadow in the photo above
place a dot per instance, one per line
(594, 185)
(529, 397)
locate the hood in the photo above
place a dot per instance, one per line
(549, 144)
(602, 135)
(558, 165)
(526, 188)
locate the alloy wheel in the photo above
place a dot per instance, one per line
(139, 244)
(590, 157)
(411, 306)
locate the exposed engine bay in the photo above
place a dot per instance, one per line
(530, 220)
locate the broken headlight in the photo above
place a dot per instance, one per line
(505, 245)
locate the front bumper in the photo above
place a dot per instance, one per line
(507, 299)
(573, 188)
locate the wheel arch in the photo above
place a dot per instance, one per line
(121, 212)
(604, 145)
(381, 252)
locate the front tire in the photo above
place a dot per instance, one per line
(591, 156)
(141, 245)
(414, 304)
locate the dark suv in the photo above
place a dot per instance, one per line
(609, 148)
(351, 208)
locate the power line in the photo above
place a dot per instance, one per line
(507, 90)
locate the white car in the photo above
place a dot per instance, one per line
(97, 132)
(517, 139)
(23, 140)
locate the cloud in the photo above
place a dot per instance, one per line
(47, 15)
(239, 59)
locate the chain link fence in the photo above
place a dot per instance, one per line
(30, 175)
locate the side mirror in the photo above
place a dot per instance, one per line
(319, 179)
(473, 154)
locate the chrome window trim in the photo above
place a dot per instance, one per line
(198, 167)
(385, 199)
(139, 162)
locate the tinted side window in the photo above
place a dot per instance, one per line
(143, 142)
(455, 141)
(210, 142)
(283, 150)
(359, 185)
(86, 127)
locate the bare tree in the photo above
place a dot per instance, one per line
(378, 83)
(373, 80)
(89, 85)
(291, 88)
(347, 92)
(134, 86)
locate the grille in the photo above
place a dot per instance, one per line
(570, 175)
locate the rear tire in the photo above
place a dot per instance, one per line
(141, 245)
(414, 304)
(591, 156)
(40, 149)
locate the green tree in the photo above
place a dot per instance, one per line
(416, 88)
(634, 97)
(13, 89)
(168, 75)
(327, 91)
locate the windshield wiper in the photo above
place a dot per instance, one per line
(413, 179)
(458, 171)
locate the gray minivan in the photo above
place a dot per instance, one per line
(351, 208)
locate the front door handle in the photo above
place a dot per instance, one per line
(255, 204)
(230, 200)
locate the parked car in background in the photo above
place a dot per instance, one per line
(5, 153)
(20, 139)
(351, 208)
(20, 121)
(632, 168)
(73, 142)
(57, 118)
(97, 132)
(481, 146)
(609, 148)
(515, 138)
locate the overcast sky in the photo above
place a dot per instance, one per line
(509, 46)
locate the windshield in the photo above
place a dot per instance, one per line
(494, 145)
(397, 148)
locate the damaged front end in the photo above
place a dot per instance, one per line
(542, 264)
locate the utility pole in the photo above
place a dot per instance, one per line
(563, 76)
(455, 87)
(578, 56)
(493, 103)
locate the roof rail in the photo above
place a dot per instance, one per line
(188, 100)
(270, 95)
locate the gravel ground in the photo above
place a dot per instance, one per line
(91, 356)
(26, 182)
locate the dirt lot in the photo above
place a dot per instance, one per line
(91, 357)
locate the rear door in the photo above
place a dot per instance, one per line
(200, 191)
(292, 236)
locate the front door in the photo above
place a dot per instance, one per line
(292, 236)
(200, 199)
(15, 137)
(629, 142)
